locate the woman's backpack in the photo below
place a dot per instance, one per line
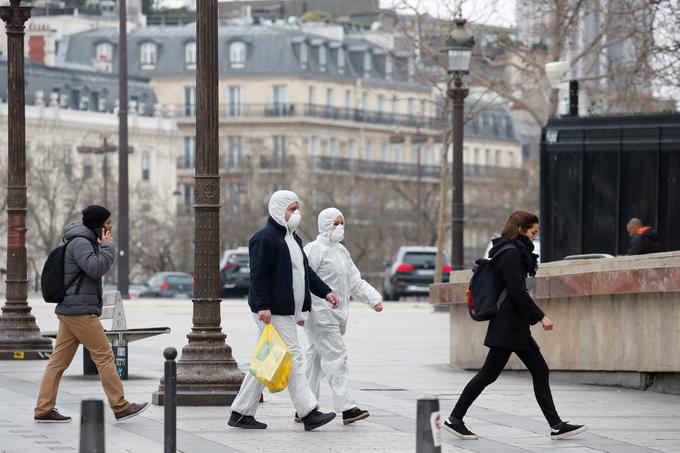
(52, 276)
(482, 300)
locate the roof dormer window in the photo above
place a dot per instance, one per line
(341, 60)
(148, 53)
(104, 52)
(304, 55)
(368, 59)
(237, 55)
(190, 55)
(323, 58)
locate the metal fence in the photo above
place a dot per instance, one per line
(598, 172)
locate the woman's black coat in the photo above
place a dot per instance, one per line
(510, 328)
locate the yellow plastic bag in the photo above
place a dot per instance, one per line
(271, 362)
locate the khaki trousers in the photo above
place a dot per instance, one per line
(73, 331)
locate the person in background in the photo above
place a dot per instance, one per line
(281, 285)
(89, 255)
(326, 353)
(509, 331)
(643, 239)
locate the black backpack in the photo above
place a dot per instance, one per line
(52, 276)
(482, 302)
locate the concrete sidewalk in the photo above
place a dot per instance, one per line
(396, 357)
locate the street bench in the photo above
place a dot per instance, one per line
(118, 334)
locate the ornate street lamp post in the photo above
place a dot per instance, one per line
(459, 45)
(20, 337)
(207, 374)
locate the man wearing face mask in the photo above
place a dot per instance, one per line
(326, 354)
(89, 255)
(281, 284)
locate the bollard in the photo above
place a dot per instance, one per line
(92, 426)
(170, 400)
(428, 426)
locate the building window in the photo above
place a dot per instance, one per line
(329, 101)
(237, 196)
(237, 55)
(381, 107)
(368, 60)
(304, 55)
(146, 165)
(333, 148)
(364, 105)
(394, 109)
(423, 109)
(385, 152)
(416, 158)
(87, 166)
(279, 100)
(388, 67)
(510, 159)
(190, 101)
(311, 94)
(341, 61)
(104, 52)
(68, 159)
(147, 55)
(314, 147)
(487, 157)
(478, 157)
(187, 194)
(189, 156)
(369, 150)
(234, 151)
(429, 156)
(279, 149)
(235, 101)
(497, 163)
(411, 69)
(323, 58)
(409, 108)
(352, 149)
(398, 152)
(349, 103)
(190, 55)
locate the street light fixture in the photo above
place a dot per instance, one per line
(459, 45)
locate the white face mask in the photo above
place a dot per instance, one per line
(338, 233)
(294, 220)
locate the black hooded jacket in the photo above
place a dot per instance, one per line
(644, 242)
(510, 328)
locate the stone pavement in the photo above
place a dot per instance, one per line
(396, 357)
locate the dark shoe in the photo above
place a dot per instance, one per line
(52, 416)
(316, 418)
(131, 411)
(244, 421)
(566, 430)
(297, 418)
(459, 429)
(353, 415)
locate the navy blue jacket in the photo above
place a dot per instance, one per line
(271, 273)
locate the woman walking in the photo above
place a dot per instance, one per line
(509, 331)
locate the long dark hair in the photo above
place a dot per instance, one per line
(517, 220)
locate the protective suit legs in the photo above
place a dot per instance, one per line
(302, 397)
(326, 356)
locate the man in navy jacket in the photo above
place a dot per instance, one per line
(280, 285)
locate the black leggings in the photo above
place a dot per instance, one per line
(494, 364)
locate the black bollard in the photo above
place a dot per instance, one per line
(92, 426)
(428, 426)
(170, 400)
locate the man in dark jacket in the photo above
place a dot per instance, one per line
(643, 239)
(89, 255)
(280, 285)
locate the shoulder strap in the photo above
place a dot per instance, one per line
(504, 294)
(505, 248)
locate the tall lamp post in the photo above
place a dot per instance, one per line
(20, 337)
(459, 45)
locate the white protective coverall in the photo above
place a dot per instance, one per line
(326, 353)
(303, 399)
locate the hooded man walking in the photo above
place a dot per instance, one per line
(89, 255)
(326, 354)
(280, 285)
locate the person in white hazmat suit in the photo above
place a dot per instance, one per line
(281, 285)
(326, 354)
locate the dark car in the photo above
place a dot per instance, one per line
(169, 284)
(412, 272)
(235, 272)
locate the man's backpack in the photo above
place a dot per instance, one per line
(52, 276)
(482, 302)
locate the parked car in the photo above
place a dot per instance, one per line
(169, 284)
(134, 289)
(412, 272)
(235, 272)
